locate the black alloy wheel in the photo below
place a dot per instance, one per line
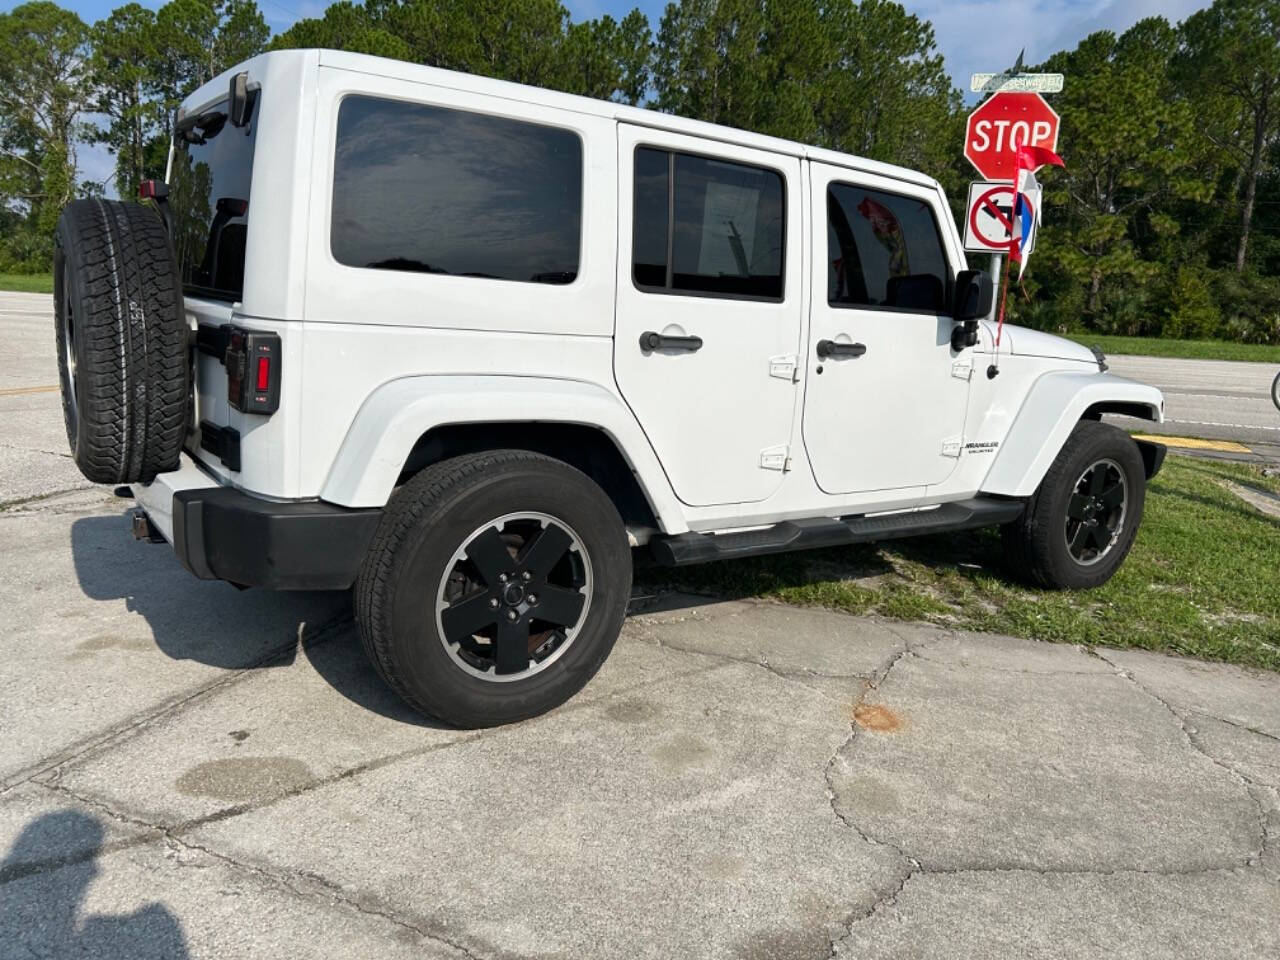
(495, 587)
(514, 596)
(1096, 512)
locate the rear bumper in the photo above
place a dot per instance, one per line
(220, 533)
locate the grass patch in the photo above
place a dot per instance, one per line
(1203, 578)
(27, 282)
(1182, 349)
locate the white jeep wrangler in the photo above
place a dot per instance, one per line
(464, 344)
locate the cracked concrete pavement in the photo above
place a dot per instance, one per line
(192, 771)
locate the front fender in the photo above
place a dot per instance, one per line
(1053, 406)
(394, 416)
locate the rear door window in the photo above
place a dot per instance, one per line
(884, 251)
(707, 226)
(434, 190)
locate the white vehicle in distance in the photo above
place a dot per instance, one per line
(462, 345)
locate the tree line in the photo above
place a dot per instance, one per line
(1165, 222)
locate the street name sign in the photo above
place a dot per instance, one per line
(1016, 83)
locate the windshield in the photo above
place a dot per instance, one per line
(209, 194)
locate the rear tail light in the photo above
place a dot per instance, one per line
(253, 371)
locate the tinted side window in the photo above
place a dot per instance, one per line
(649, 251)
(707, 226)
(885, 251)
(434, 190)
(209, 197)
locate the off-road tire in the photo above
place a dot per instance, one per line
(1035, 544)
(122, 341)
(426, 521)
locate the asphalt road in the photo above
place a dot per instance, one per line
(1217, 399)
(188, 770)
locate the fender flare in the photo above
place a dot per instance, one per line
(395, 415)
(1053, 406)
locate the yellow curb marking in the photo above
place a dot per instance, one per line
(1192, 443)
(22, 391)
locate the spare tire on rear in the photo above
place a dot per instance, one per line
(122, 341)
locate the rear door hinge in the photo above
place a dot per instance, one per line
(952, 446)
(785, 367)
(775, 458)
(962, 369)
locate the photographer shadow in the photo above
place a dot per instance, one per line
(45, 877)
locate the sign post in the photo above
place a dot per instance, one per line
(1014, 115)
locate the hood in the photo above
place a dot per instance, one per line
(1033, 343)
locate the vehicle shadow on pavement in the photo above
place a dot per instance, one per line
(753, 576)
(43, 882)
(206, 621)
(215, 624)
(342, 663)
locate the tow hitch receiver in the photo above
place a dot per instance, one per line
(144, 529)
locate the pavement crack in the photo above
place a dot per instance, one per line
(890, 897)
(759, 661)
(303, 884)
(50, 766)
(882, 902)
(53, 781)
(910, 866)
(8, 505)
(1192, 736)
(1238, 725)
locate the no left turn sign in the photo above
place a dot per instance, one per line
(988, 221)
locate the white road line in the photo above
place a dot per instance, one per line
(1233, 426)
(1217, 396)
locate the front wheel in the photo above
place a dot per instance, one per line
(1275, 391)
(495, 587)
(1081, 522)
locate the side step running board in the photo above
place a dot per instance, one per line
(686, 548)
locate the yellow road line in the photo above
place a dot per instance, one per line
(23, 391)
(1193, 443)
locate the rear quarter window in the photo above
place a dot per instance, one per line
(435, 190)
(209, 196)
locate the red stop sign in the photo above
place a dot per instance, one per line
(1003, 123)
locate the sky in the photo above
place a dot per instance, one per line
(963, 29)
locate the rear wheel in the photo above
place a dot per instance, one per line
(122, 343)
(1275, 391)
(1081, 522)
(495, 587)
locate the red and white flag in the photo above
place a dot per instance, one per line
(1027, 200)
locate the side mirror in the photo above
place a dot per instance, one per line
(974, 294)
